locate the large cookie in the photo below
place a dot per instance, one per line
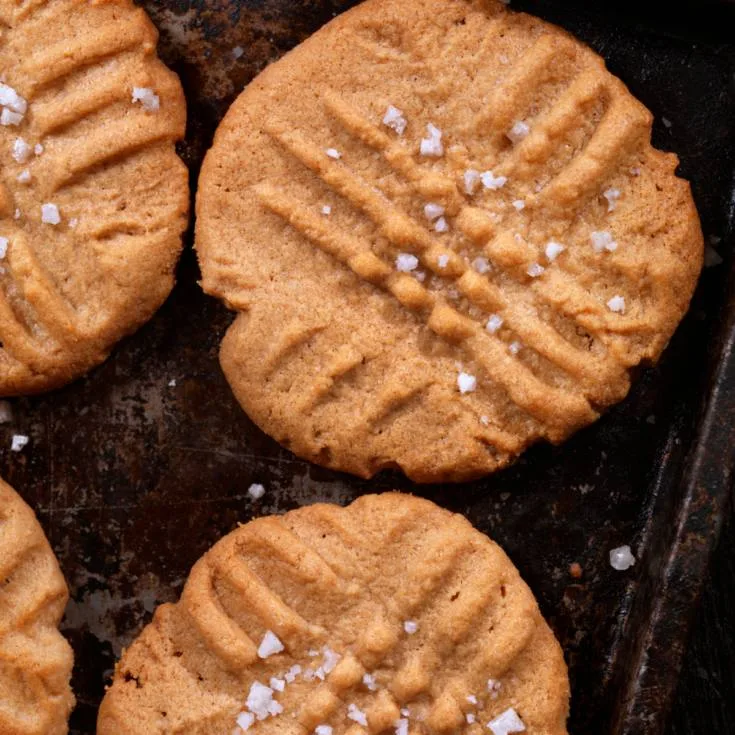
(93, 198)
(446, 236)
(35, 661)
(390, 615)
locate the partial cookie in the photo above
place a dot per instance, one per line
(446, 236)
(93, 198)
(35, 661)
(390, 615)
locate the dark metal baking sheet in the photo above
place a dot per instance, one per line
(140, 467)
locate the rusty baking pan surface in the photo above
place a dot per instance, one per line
(139, 468)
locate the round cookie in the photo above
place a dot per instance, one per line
(35, 661)
(389, 615)
(446, 236)
(93, 198)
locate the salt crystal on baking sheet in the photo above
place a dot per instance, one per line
(621, 558)
(256, 491)
(18, 442)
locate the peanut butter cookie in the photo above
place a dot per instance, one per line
(446, 236)
(390, 615)
(93, 198)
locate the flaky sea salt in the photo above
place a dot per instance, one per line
(333, 153)
(276, 684)
(616, 304)
(433, 211)
(491, 181)
(612, 196)
(443, 260)
(292, 673)
(8, 117)
(394, 119)
(485, 420)
(256, 491)
(466, 384)
(471, 719)
(481, 265)
(237, 52)
(50, 214)
(38, 149)
(471, 180)
(401, 726)
(270, 645)
(494, 323)
(519, 204)
(326, 210)
(518, 132)
(405, 262)
(356, 715)
(431, 145)
(441, 225)
(323, 730)
(369, 681)
(493, 688)
(259, 700)
(515, 347)
(4, 242)
(553, 250)
(331, 659)
(411, 626)
(535, 270)
(18, 442)
(245, 720)
(21, 150)
(621, 558)
(147, 98)
(602, 240)
(12, 100)
(471, 698)
(506, 723)
(24, 176)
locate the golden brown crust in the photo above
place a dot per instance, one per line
(355, 365)
(347, 579)
(35, 661)
(70, 291)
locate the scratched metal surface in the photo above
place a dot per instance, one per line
(140, 467)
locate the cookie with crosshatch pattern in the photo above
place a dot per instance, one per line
(446, 236)
(391, 615)
(35, 661)
(93, 198)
